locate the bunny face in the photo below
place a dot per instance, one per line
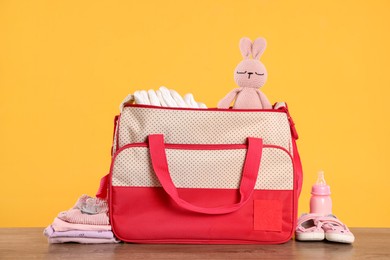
(251, 73)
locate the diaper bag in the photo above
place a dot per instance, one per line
(209, 176)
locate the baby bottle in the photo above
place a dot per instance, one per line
(320, 201)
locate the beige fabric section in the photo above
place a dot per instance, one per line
(203, 126)
(203, 168)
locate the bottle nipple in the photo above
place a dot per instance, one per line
(321, 179)
(320, 188)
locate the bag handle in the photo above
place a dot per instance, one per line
(248, 179)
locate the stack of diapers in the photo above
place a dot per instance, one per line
(163, 97)
(87, 223)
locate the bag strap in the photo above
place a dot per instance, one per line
(248, 179)
(102, 191)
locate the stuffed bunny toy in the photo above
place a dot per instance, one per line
(250, 74)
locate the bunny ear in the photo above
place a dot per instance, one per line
(258, 48)
(246, 47)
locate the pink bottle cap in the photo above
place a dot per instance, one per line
(320, 190)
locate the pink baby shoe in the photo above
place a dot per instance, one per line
(335, 230)
(309, 228)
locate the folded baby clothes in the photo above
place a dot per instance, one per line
(82, 240)
(62, 232)
(86, 222)
(60, 225)
(50, 232)
(79, 236)
(87, 210)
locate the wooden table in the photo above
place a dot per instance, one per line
(29, 243)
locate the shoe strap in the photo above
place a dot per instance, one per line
(307, 217)
(331, 220)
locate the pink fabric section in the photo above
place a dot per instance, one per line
(158, 219)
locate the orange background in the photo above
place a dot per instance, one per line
(65, 66)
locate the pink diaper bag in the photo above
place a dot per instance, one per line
(203, 176)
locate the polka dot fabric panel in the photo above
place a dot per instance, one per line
(114, 141)
(203, 168)
(203, 126)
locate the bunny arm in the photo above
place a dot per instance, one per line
(264, 100)
(225, 102)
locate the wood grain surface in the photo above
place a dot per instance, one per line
(29, 243)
